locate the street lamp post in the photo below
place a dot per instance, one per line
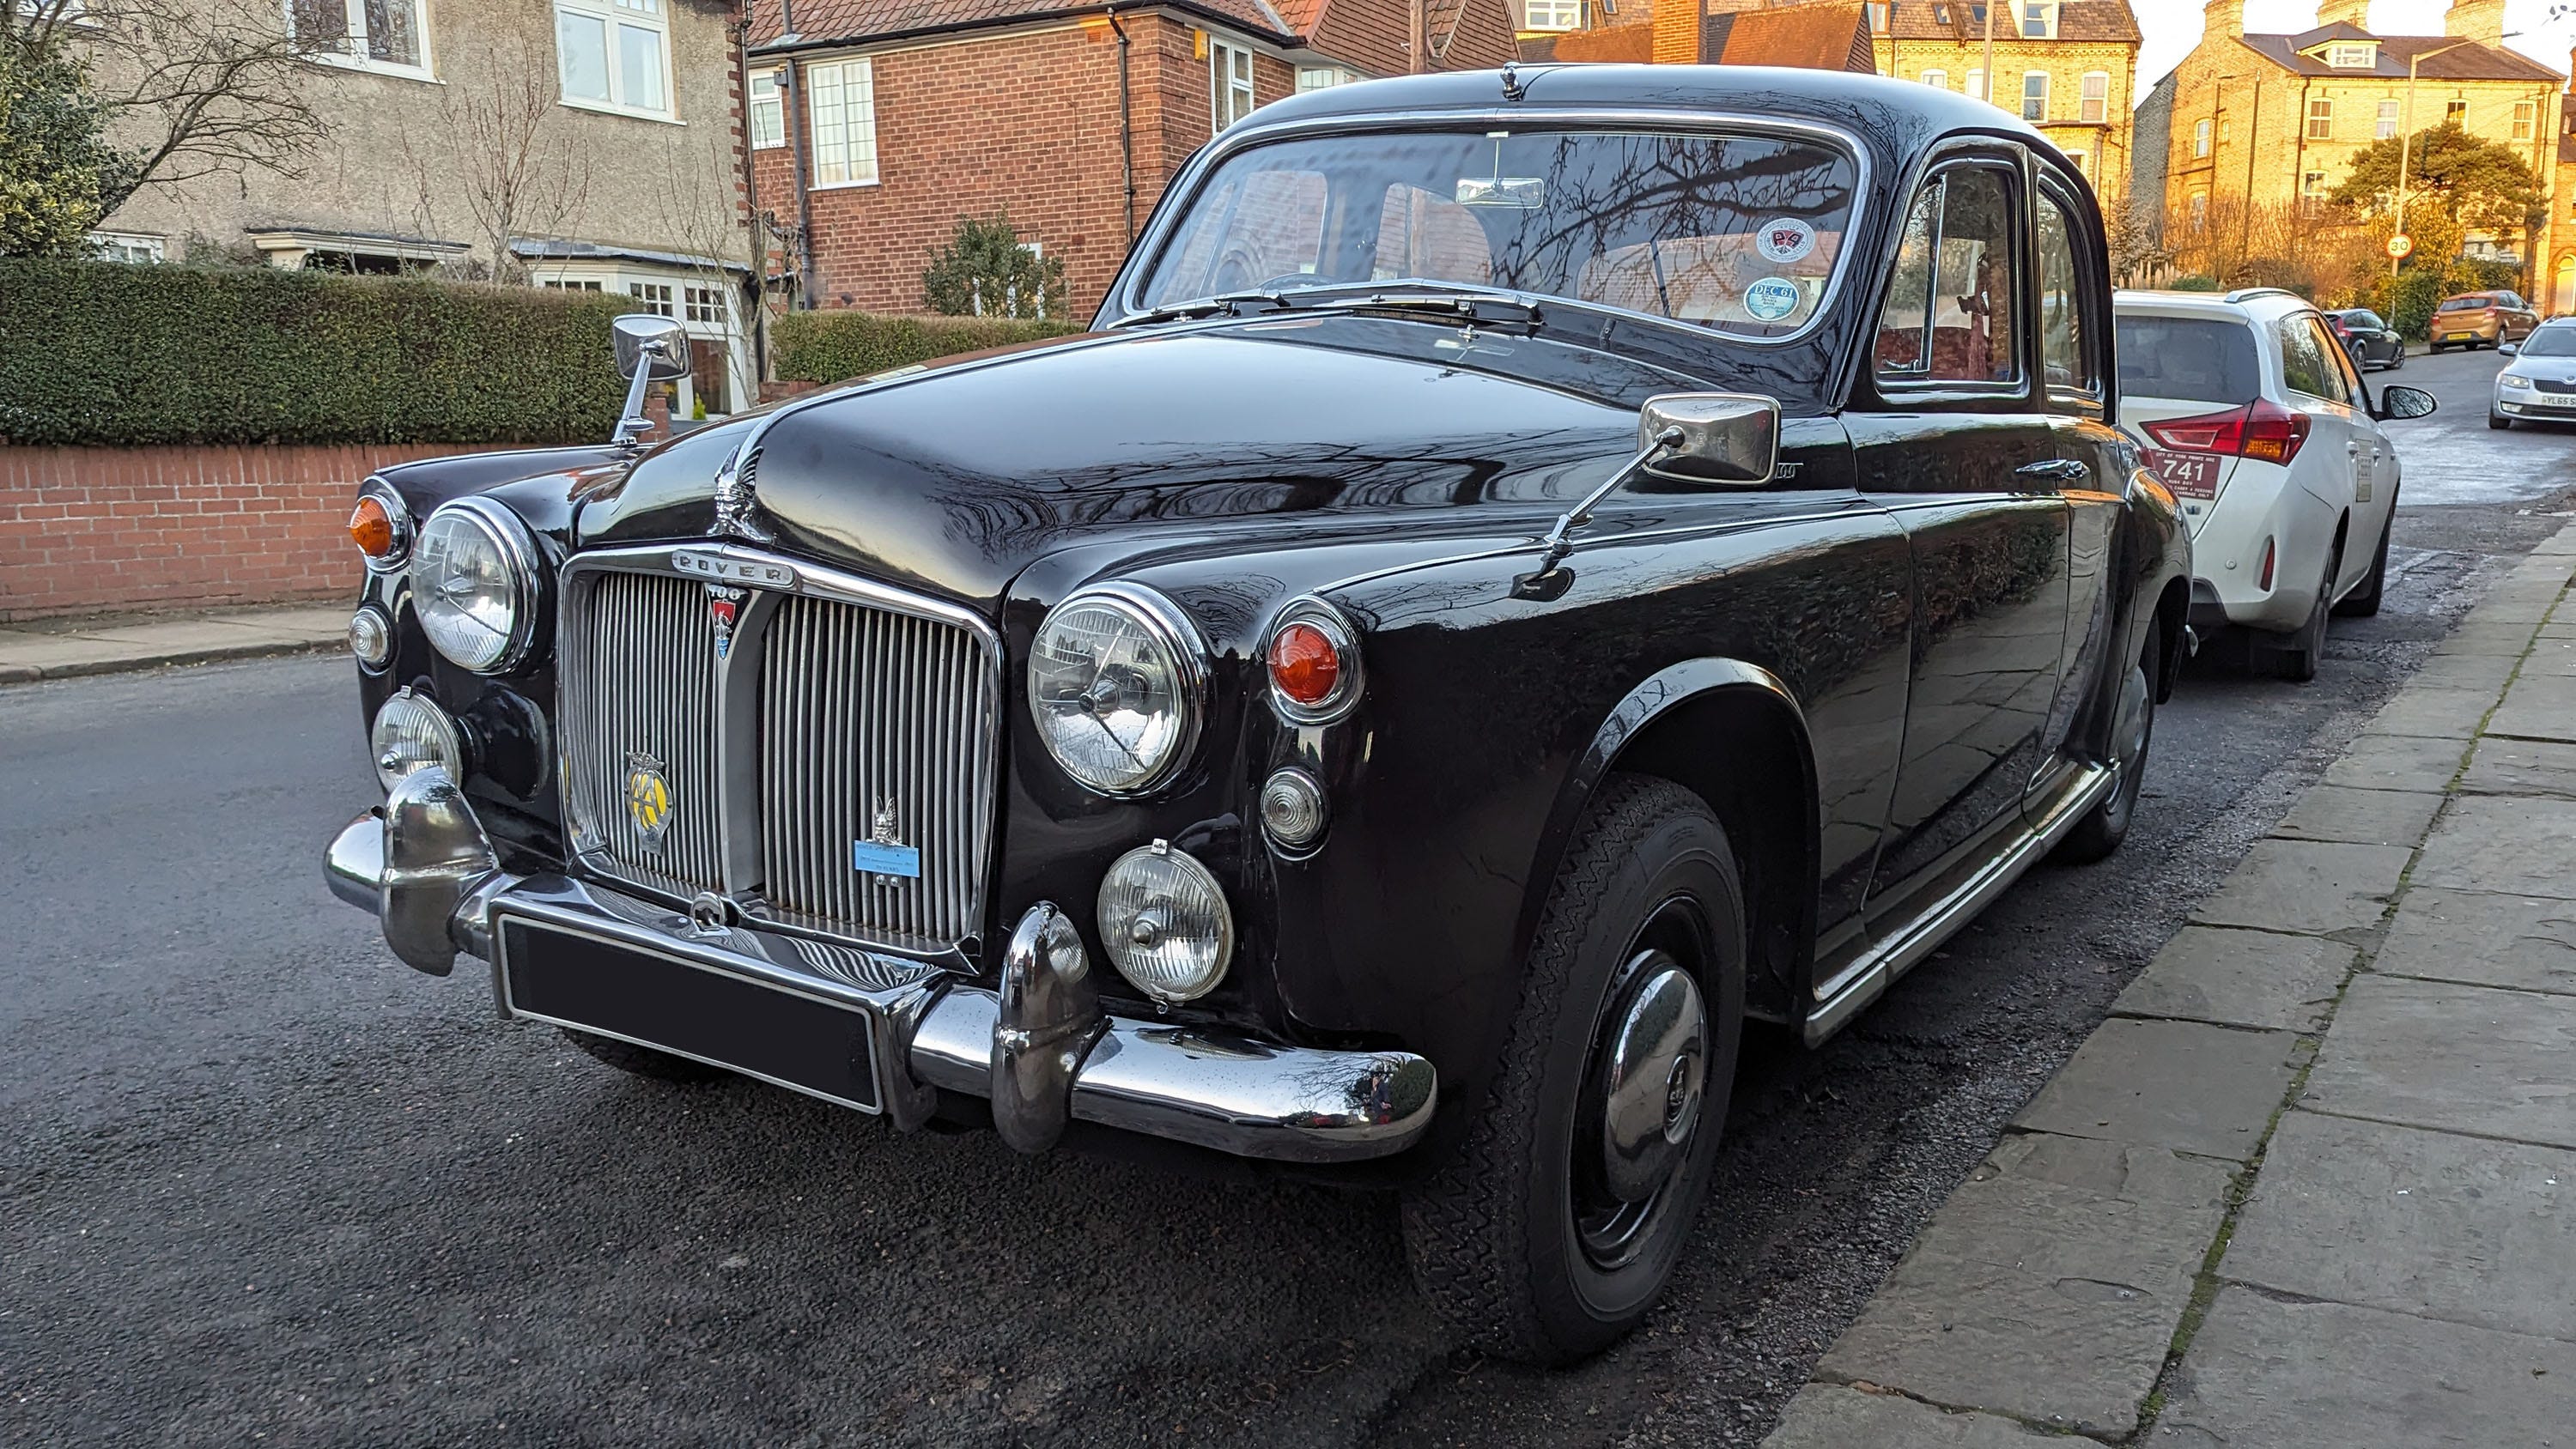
(2406, 137)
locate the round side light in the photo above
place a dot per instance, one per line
(1292, 809)
(371, 639)
(380, 529)
(1313, 660)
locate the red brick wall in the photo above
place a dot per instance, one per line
(85, 529)
(1024, 121)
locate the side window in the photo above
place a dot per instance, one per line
(1949, 313)
(2063, 355)
(2347, 378)
(2304, 367)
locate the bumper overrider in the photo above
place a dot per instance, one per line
(865, 1029)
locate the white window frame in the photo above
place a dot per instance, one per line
(843, 73)
(2386, 124)
(2526, 120)
(659, 298)
(2352, 55)
(356, 57)
(1222, 89)
(2200, 138)
(1976, 85)
(1322, 77)
(612, 15)
(2321, 118)
(134, 247)
(2027, 77)
(2042, 13)
(1558, 14)
(2459, 107)
(2093, 98)
(1937, 78)
(707, 305)
(765, 121)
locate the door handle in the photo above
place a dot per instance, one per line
(2060, 470)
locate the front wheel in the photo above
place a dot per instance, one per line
(2499, 422)
(2133, 729)
(2363, 602)
(1563, 1214)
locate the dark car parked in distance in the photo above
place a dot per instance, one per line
(1527, 573)
(2370, 340)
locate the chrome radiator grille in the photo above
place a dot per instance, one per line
(843, 714)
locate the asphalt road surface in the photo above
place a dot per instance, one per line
(260, 1182)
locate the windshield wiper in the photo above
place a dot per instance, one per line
(1417, 295)
(1229, 303)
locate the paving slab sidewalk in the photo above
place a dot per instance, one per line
(57, 649)
(2314, 1181)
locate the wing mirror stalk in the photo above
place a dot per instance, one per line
(1730, 439)
(650, 349)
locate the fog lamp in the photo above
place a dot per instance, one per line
(410, 733)
(1164, 923)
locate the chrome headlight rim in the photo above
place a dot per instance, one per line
(510, 534)
(1178, 635)
(1322, 615)
(398, 558)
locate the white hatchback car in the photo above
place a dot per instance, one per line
(2538, 383)
(2253, 415)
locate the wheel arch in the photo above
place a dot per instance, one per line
(1733, 734)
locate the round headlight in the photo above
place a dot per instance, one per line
(474, 584)
(410, 733)
(1164, 923)
(1116, 678)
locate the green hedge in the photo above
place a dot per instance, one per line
(838, 346)
(122, 355)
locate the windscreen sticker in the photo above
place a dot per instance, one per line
(1771, 299)
(1784, 239)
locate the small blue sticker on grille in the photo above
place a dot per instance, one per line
(871, 858)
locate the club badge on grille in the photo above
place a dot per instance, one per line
(724, 606)
(648, 798)
(883, 853)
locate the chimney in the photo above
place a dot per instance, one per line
(2478, 20)
(2344, 12)
(2222, 20)
(1677, 30)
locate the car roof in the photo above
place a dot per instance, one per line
(2247, 304)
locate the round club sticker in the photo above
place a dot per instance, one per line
(1784, 239)
(1771, 299)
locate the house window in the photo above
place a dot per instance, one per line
(1976, 85)
(2526, 119)
(1940, 14)
(2321, 118)
(2352, 57)
(2097, 98)
(385, 35)
(2456, 114)
(1322, 77)
(2312, 188)
(1877, 11)
(2200, 138)
(706, 304)
(2077, 159)
(560, 285)
(1229, 83)
(1937, 79)
(653, 297)
(842, 96)
(2039, 20)
(768, 111)
(1553, 14)
(2199, 210)
(2034, 95)
(615, 54)
(127, 246)
(2387, 126)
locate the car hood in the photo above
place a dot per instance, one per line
(2556, 369)
(953, 479)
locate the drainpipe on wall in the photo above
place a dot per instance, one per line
(2299, 158)
(751, 207)
(791, 116)
(1126, 129)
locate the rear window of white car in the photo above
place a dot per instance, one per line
(2190, 358)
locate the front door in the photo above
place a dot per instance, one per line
(1960, 451)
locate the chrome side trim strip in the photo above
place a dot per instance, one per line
(1865, 979)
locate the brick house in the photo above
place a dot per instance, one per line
(2268, 120)
(2069, 67)
(873, 126)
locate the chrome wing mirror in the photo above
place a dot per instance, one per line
(1726, 439)
(650, 349)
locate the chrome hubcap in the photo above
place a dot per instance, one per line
(1653, 1077)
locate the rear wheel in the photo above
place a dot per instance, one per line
(642, 1061)
(2295, 658)
(2133, 728)
(1562, 1216)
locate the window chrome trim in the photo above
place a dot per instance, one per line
(1150, 245)
(737, 760)
(1173, 627)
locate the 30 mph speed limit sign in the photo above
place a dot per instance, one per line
(2400, 244)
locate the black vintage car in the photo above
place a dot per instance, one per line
(1528, 574)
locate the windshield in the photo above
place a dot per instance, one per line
(2551, 342)
(2464, 304)
(1737, 233)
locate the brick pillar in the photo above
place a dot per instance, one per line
(1677, 27)
(2479, 20)
(2344, 12)
(2219, 18)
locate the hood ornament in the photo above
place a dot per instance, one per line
(736, 502)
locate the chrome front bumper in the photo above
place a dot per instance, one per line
(1040, 1048)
